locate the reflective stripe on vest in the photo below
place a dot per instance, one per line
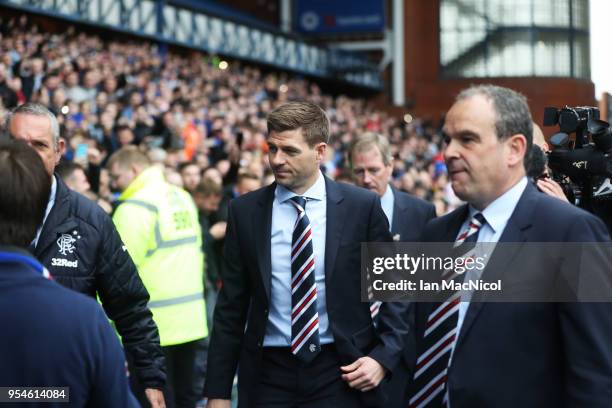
(177, 300)
(160, 243)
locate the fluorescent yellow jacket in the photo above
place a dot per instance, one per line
(158, 223)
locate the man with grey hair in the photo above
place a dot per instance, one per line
(493, 354)
(79, 245)
(372, 165)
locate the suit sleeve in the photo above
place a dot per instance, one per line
(393, 317)
(125, 299)
(229, 317)
(586, 330)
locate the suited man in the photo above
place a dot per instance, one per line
(507, 354)
(309, 340)
(372, 165)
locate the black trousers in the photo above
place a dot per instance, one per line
(179, 391)
(286, 382)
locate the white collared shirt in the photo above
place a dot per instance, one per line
(284, 215)
(50, 205)
(387, 201)
(497, 215)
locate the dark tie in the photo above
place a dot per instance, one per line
(441, 332)
(304, 317)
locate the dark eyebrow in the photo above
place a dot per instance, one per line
(468, 133)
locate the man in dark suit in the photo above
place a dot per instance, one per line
(372, 165)
(473, 353)
(293, 254)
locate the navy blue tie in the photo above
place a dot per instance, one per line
(304, 317)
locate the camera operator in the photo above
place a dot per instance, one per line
(538, 169)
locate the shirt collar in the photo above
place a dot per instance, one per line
(51, 201)
(315, 192)
(388, 196)
(500, 210)
(53, 189)
(50, 205)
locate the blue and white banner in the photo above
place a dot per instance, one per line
(339, 16)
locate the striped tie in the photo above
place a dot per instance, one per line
(441, 332)
(304, 317)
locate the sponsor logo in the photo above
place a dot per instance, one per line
(66, 244)
(64, 262)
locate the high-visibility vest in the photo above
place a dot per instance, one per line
(158, 223)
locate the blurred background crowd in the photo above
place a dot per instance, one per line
(201, 118)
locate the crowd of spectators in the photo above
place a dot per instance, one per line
(181, 107)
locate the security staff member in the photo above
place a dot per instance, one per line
(159, 224)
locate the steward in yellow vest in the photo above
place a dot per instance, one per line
(158, 222)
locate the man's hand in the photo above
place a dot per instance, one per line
(155, 397)
(551, 188)
(219, 403)
(218, 230)
(364, 374)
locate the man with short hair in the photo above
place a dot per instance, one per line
(159, 224)
(79, 245)
(372, 165)
(74, 176)
(543, 181)
(493, 354)
(289, 313)
(51, 336)
(191, 175)
(246, 182)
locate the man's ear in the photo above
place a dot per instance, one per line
(320, 149)
(61, 149)
(517, 147)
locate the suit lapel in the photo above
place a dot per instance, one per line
(335, 222)
(515, 229)
(262, 227)
(452, 229)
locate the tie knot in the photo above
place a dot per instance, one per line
(478, 220)
(299, 202)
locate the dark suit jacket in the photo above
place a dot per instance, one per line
(410, 215)
(354, 215)
(529, 354)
